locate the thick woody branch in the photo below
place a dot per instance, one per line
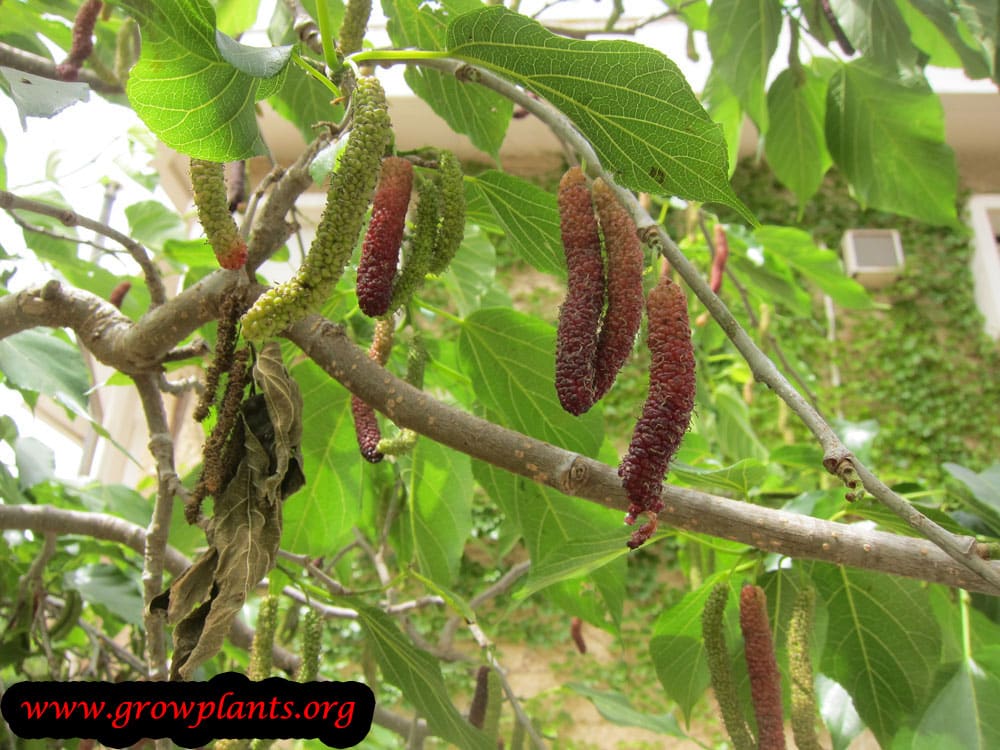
(766, 529)
(110, 336)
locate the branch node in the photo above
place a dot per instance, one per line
(52, 290)
(467, 74)
(576, 476)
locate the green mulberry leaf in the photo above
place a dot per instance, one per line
(631, 102)
(188, 93)
(889, 141)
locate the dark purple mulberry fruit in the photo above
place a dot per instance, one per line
(624, 311)
(765, 679)
(83, 40)
(580, 314)
(367, 430)
(667, 411)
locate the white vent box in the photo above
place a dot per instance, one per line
(873, 257)
(984, 215)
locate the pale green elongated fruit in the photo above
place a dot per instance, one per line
(351, 189)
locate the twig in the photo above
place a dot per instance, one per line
(29, 62)
(29, 227)
(384, 576)
(161, 446)
(745, 299)
(177, 387)
(122, 653)
(157, 293)
(334, 587)
(195, 349)
(522, 717)
(502, 586)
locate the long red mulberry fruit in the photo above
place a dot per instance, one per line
(624, 292)
(667, 411)
(367, 430)
(765, 679)
(208, 183)
(83, 40)
(380, 251)
(365, 421)
(580, 314)
(351, 189)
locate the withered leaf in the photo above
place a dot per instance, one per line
(284, 407)
(245, 532)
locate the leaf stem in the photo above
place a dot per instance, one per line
(310, 70)
(397, 55)
(439, 311)
(326, 35)
(964, 602)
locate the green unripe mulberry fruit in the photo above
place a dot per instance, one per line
(801, 670)
(352, 28)
(347, 200)
(209, 187)
(312, 641)
(420, 246)
(720, 668)
(451, 231)
(263, 640)
(380, 251)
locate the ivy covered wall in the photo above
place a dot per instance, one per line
(922, 366)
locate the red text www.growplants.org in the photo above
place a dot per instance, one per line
(191, 713)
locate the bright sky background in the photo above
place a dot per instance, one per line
(88, 143)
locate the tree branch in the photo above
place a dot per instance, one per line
(115, 340)
(13, 57)
(157, 293)
(270, 230)
(776, 531)
(49, 519)
(161, 447)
